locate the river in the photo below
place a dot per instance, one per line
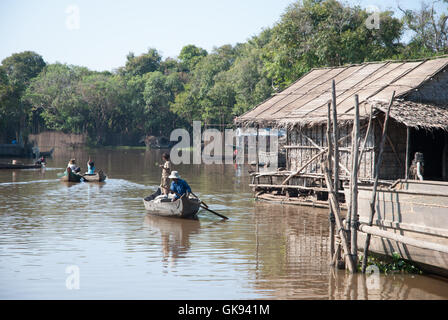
(51, 232)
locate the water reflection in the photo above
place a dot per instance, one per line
(263, 251)
(174, 235)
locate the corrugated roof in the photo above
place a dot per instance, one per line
(305, 101)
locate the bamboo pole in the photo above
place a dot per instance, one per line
(331, 213)
(370, 230)
(363, 148)
(375, 185)
(257, 151)
(337, 213)
(335, 139)
(354, 184)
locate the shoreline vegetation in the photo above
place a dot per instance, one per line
(152, 95)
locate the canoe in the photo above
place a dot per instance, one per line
(96, 177)
(413, 209)
(72, 177)
(181, 208)
(19, 166)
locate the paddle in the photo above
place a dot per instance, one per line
(214, 212)
(204, 206)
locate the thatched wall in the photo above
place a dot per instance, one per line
(300, 150)
(394, 153)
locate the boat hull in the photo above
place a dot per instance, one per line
(19, 166)
(96, 177)
(71, 177)
(414, 209)
(181, 208)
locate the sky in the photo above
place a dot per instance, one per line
(99, 34)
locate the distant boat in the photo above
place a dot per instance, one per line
(37, 153)
(181, 208)
(75, 177)
(20, 166)
(46, 153)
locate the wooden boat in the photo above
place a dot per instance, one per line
(20, 166)
(414, 209)
(71, 177)
(96, 177)
(181, 208)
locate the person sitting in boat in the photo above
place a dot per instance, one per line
(41, 161)
(90, 167)
(166, 170)
(73, 167)
(179, 186)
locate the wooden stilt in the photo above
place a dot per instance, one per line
(336, 141)
(337, 213)
(375, 184)
(331, 214)
(354, 185)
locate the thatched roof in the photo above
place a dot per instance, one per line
(305, 101)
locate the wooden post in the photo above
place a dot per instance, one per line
(334, 203)
(354, 187)
(408, 140)
(257, 150)
(375, 185)
(336, 141)
(331, 213)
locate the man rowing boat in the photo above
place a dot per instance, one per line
(178, 186)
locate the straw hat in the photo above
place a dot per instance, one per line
(174, 175)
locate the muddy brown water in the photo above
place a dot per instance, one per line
(265, 251)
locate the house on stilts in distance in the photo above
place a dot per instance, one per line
(418, 125)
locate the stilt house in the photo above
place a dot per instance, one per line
(418, 123)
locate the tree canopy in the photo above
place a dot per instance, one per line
(151, 95)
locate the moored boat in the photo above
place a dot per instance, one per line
(163, 206)
(96, 177)
(20, 166)
(417, 210)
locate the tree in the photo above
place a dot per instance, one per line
(147, 62)
(189, 56)
(317, 33)
(430, 30)
(20, 68)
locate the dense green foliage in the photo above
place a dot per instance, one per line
(150, 95)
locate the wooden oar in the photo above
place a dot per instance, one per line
(214, 212)
(204, 206)
(200, 200)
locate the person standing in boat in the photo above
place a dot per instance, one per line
(90, 167)
(179, 186)
(166, 171)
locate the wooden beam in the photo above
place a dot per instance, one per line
(370, 230)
